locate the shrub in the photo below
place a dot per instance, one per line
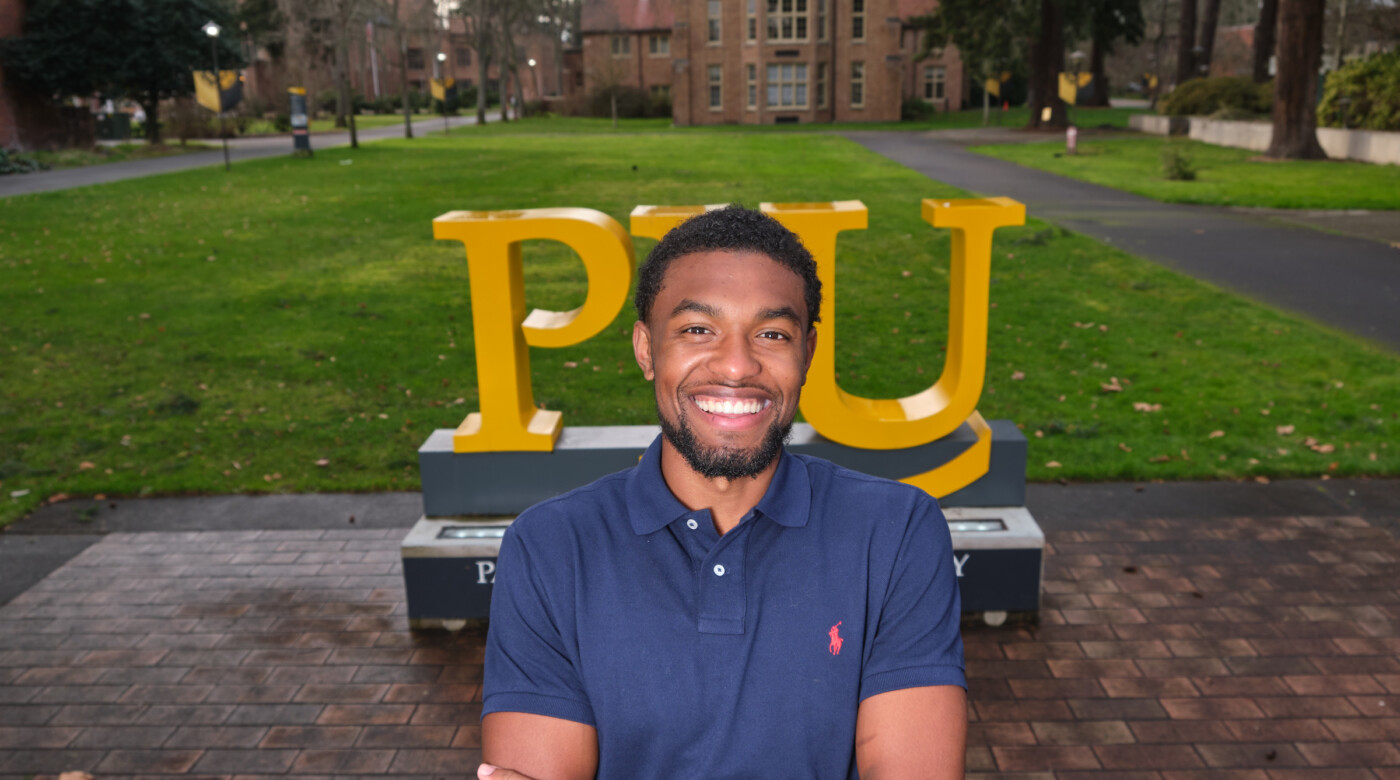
(1177, 165)
(632, 103)
(282, 123)
(915, 110)
(17, 162)
(1206, 96)
(1373, 87)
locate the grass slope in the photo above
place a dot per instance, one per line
(293, 326)
(1225, 176)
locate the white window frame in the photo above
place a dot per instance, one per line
(714, 22)
(857, 85)
(796, 14)
(792, 77)
(857, 20)
(659, 45)
(714, 79)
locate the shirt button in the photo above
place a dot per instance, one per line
(719, 570)
(691, 524)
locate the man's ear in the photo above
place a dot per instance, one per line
(641, 349)
(811, 350)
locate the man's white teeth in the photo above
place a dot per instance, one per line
(729, 406)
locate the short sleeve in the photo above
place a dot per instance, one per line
(917, 638)
(531, 658)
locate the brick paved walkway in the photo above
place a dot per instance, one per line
(1247, 649)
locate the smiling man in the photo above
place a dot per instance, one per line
(726, 609)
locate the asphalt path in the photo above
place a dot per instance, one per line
(1345, 282)
(239, 149)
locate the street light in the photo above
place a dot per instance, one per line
(212, 30)
(536, 76)
(442, 80)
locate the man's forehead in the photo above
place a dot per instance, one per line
(706, 282)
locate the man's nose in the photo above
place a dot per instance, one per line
(734, 357)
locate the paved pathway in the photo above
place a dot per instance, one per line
(239, 149)
(1195, 630)
(1348, 283)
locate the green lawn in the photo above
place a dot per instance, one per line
(1225, 176)
(98, 155)
(293, 326)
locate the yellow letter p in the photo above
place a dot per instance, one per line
(508, 420)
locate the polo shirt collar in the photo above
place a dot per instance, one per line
(652, 506)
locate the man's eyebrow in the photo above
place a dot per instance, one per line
(783, 313)
(690, 304)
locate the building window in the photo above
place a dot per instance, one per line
(751, 77)
(716, 78)
(857, 20)
(621, 45)
(857, 85)
(753, 20)
(462, 55)
(415, 59)
(659, 45)
(660, 92)
(934, 81)
(787, 85)
(787, 20)
(821, 85)
(821, 20)
(712, 11)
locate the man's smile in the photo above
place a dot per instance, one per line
(730, 406)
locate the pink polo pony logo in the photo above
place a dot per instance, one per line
(836, 639)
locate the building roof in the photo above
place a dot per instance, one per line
(616, 15)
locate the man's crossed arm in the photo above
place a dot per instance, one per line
(918, 733)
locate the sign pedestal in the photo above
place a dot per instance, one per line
(449, 558)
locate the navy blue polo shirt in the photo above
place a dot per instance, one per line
(707, 656)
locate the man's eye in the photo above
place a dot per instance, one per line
(773, 334)
(696, 329)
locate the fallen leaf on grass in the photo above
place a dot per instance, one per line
(1054, 464)
(85, 465)
(323, 462)
(1124, 447)
(570, 364)
(1284, 430)
(1111, 386)
(1017, 376)
(1159, 459)
(1216, 434)
(1146, 407)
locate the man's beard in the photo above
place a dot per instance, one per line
(724, 462)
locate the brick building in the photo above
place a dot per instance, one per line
(769, 61)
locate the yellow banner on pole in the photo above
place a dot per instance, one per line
(440, 87)
(1068, 89)
(230, 84)
(993, 87)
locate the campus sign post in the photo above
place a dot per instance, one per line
(511, 454)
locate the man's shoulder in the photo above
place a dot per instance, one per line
(834, 482)
(591, 503)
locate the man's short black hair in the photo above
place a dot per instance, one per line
(736, 229)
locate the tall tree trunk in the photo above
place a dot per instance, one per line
(1186, 43)
(1159, 45)
(402, 41)
(345, 96)
(483, 70)
(1209, 20)
(1047, 58)
(1295, 88)
(1099, 93)
(1342, 35)
(151, 105)
(1265, 33)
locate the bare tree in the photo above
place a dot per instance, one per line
(1265, 32)
(1186, 43)
(1295, 88)
(1209, 20)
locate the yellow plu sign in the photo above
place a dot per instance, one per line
(509, 420)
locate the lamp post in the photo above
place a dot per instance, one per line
(442, 80)
(212, 30)
(535, 74)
